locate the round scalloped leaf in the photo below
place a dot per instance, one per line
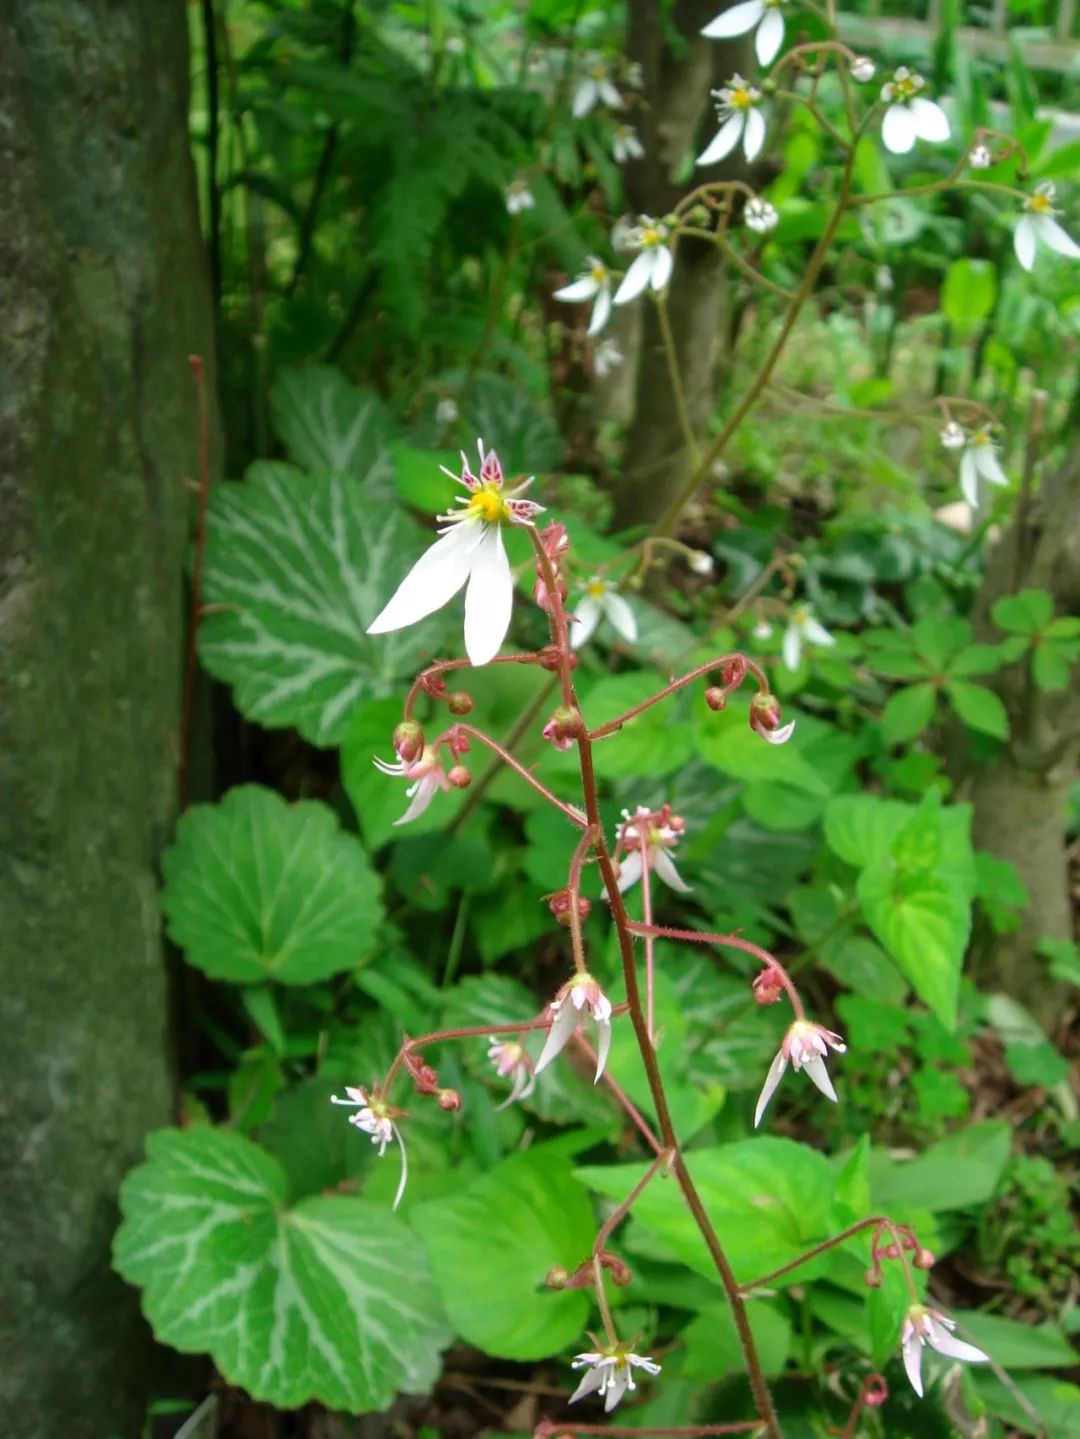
(329, 1300)
(258, 889)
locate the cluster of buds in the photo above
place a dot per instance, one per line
(562, 904)
(426, 1080)
(901, 1239)
(564, 727)
(555, 542)
(584, 1276)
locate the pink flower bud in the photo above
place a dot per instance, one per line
(408, 741)
(767, 985)
(924, 1259)
(716, 698)
(460, 703)
(556, 1278)
(873, 1278)
(765, 719)
(563, 727)
(450, 1100)
(459, 777)
(733, 673)
(875, 1390)
(541, 596)
(559, 903)
(555, 540)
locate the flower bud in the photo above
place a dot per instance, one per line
(924, 1259)
(620, 1273)
(765, 718)
(862, 68)
(767, 985)
(556, 1278)
(733, 672)
(701, 562)
(459, 703)
(459, 777)
(555, 540)
(450, 1100)
(563, 727)
(716, 698)
(891, 1251)
(559, 903)
(873, 1278)
(549, 660)
(875, 1390)
(408, 740)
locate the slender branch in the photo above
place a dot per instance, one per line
(610, 726)
(686, 425)
(875, 1221)
(729, 941)
(573, 814)
(618, 1214)
(632, 1112)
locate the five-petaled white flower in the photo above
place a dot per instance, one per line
(607, 357)
(519, 197)
(924, 1326)
(653, 264)
(740, 120)
(595, 87)
(661, 835)
(610, 1373)
(375, 1117)
(764, 15)
(601, 601)
(509, 1057)
(625, 145)
(978, 462)
(760, 216)
(1037, 225)
(980, 158)
(469, 551)
(910, 116)
(427, 775)
(579, 998)
(595, 285)
(804, 1046)
(802, 629)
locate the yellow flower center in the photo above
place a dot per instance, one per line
(490, 506)
(650, 237)
(981, 437)
(740, 99)
(595, 588)
(599, 274)
(1041, 205)
(598, 72)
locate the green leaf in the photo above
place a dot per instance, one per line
(1026, 613)
(861, 829)
(419, 480)
(653, 744)
(258, 889)
(296, 568)
(1056, 1403)
(326, 424)
(509, 421)
(955, 1173)
(937, 639)
(968, 292)
(328, 1300)
(980, 709)
(908, 712)
(727, 742)
(924, 925)
(1016, 1345)
(491, 1247)
(712, 1343)
(1052, 665)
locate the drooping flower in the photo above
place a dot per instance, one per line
(910, 116)
(765, 717)
(469, 551)
(924, 1326)
(607, 357)
(979, 460)
(595, 285)
(594, 88)
(663, 830)
(740, 120)
(1037, 226)
(427, 775)
(760, 216)
(805, 1046)
(609, 1372)
(519, 197)
(375, 1117)
(980, 158)
(579, 998)
(602, 601)
(701, 562)
(653, 264)
(863, 69)
(763, 15)
(509, 1057)
(625, 145)
(802, 629)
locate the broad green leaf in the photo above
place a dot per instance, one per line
(510, 421)
(908, 712)
(259, 889)
(1026, 613)
(861, 829)
(326, 424)
(968, 292)
(419, 480)
(491, 1246)
(727, 742)
(1056, 1403)
(296, 568)
(954, 1173)
(712, 1344)
(329, 1299)
(1052, 664)
(1016, 1345)
(980, 708)
(938, 639)
(924, 925)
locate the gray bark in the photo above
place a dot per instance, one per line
(104, 295)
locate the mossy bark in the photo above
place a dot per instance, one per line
(104, 294)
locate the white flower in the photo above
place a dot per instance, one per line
(624, 235)
(978, 461)
(427, 775)
(805, 1046)
(654, 263)
(625, 145)
(518, 197)
(910, 117)
(762, 630)
(594, 284)
(470, 551)
(509, 1057)
(701, 562)
(953, 436)
(375, 1117)
(740, 121)
(601, 601)
(579, 998)
(924, 1326)
(803, 628)
(661, 836)
(607, 357)
(595, 85)
(610, 1373)
(760, 216)
(1037, 224)
(980, 158)
(446, 412)
(863, 69)
(883, 279)
(763, 14)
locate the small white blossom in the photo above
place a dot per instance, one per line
(427, 775)
(602, 601)
(805, 1046)
(594, 88)
(763, 15)
(375, 1117)
(625, 145)
(924, 1326)
(594, 284)
(624, 234)
(509, 1057)
(863, 69)
(802, 629)
(701, 562)
(953, 436)
(980, 158)
(760, 216)
(519, 197)
(653, 265)
(607, 357)
(446, 412)
(740, 120)
(762, 630)
(1038, 226)
(883, 279)
(910, 116)
(579, 998)
(979, 460)
(610, 1373)
(662, 835)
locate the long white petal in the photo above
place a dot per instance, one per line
(817, 634)
(664, 865)
(609, 95)
(768, 1089)
(434, 580)
(819, 1075)
(988, 465)
(629, 871)
(662, 266)
(583, 289)
(725, 140)
(969, 478)
(941, 1340)
(621, 616)
(913, 1361)
(603, 1045)
(404, 1169)
(735, 21)
(489, 599)
(754, 135)
(635, 279)
(616, 1388)
(591, 1380)
(792, 647)
(587, 617)
(584, 98)
(770, 37)
(1024, 241)
(1051, 234)
(931, 121)
(601, 311)
(562, 1027)
(898, 129)
(423, 792)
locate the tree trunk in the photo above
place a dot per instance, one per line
(104, 295)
